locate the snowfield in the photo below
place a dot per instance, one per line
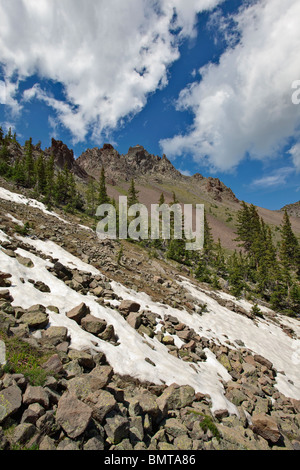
(20, 199)
(263, 337)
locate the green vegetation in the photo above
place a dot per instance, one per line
(265, 266)
(24, 359)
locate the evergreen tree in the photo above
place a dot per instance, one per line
(289, 246)
(102, 195)
(29, 164)
(19, 172)
(219, 259)
(236, 272)
(161, 199)
(132, 194)
(248, 227)
(40, 170)
(91, 197)
(1, 135)
(50, 184)
(208, 245)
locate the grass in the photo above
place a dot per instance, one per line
(24, 359)
(206, 423)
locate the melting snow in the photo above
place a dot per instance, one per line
(20, 199)
(128, 357)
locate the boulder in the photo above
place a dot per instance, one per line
(102, 403)
(73, 415)
(35, 320)
(176, 397)
(117, 428)
(134, 319)
(10, 401)
(56, 334)
(54, 365)
(78, 313)
(128, 306)
(263, 361)
(93, 325)
(266, 427)
(35, 395)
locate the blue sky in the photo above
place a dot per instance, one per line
(207, 82)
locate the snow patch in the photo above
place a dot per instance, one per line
(20, 199)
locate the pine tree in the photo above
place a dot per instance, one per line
(19, 172)
(208, 245)
(236, 274)
(219, 259)
(91, 197)
(161, 199)
(29, 164)
(40, 170)
(132, 194)
(102, 194)
(289, 246)
(248, 227)
(50, 186)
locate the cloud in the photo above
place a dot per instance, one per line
(277, 178)
(295, 154)
(243, 106)
(109, 56)
(8, 91)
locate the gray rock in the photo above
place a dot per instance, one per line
(23, 432)
(102, 403)
(176, 397)
(68, 444)
(53, 365)
(175, 427)
(93, 325)
(95, 443)
(36, 395)
(73, 415)
(36, 319)
(266, 427)
(128, 306)
(10, 401)
(56, 334)
(83, 358)
(134, 319)
(117, 428)
(47, 444)
(78, 313)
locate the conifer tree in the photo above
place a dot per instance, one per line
(161, 199)
(29, 164)
(102, 195)
(132, 194)
(40, 170)
(236, 274)
(289, 246)
(19, 172)
(91, 197)
(50, 184)
(208, 245)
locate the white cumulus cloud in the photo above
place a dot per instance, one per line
(108, 55)
(242, 105)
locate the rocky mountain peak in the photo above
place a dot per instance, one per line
(63, 156)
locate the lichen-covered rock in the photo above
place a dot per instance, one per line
(10, 401)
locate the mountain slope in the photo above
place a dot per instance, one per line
(183, 332)
(293, 209)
